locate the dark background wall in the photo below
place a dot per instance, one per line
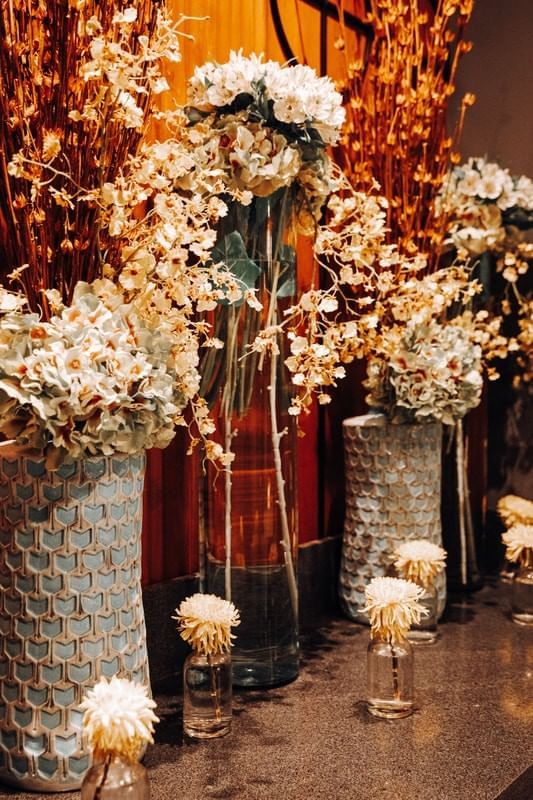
(499, 70)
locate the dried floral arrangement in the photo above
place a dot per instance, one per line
(205, 622)
(92, 379)
(488, 212)
(396, 139)
(260, 130)
(396, 98)
(87, 194)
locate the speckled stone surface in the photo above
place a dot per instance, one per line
(470, 738)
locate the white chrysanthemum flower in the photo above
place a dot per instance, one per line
(392, 605)
(518, 541)
(118, 718)
(205, 621)
(419, 560)
(513, 509)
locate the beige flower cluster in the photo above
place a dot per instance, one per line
(486, 208)
(94, 379)
(262, 127)
(488, 212)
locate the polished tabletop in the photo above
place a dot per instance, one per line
(470, 738)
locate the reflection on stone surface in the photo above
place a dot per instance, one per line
(314, 739)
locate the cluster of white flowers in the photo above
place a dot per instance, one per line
(292, 95)
(205, 621)
(487, 208)
(94, 379)
(489, 212)
(393, 606)
(261, 126)
(118, 718)
(431, 371)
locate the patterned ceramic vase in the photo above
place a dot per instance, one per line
(70, 606)
(393, 490)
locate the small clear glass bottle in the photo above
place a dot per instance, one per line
(116, 779)
(522, 590)
(390, 676)
(207, 695)
(425, 632)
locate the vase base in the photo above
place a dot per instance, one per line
(389, 709)
(422, 637)
(249, 675)
(525, 619)
(41, 785)
(199, 730)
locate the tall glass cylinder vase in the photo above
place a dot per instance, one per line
(251, 508)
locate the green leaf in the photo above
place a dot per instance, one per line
(287, 278)
(232, 252)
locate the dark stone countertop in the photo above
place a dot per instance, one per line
(469, 739)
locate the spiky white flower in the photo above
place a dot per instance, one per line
(205, 621)
(419, 560)
(118, 718)
(392, 605)
(518, 541)
(513, 509)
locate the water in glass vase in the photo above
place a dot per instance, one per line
(390, 691)
(251, 510)
(207, 696)
(425, 632)
(267, 654)
(116, 780)
(522, 595)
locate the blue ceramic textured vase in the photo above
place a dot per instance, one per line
(393, 493)
(70, 606)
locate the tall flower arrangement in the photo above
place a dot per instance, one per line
(88, 195)
(261, 130)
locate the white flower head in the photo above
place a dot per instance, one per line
(392, 605)
(205, 621)
(419, 560)
(518, 541)
(118, 718)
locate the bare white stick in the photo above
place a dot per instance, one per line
(280, 485)
(459, 452)
(227, 509)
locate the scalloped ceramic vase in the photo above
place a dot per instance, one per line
(393, 493)
(70, 606)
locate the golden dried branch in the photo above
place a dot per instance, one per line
(397, 101)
